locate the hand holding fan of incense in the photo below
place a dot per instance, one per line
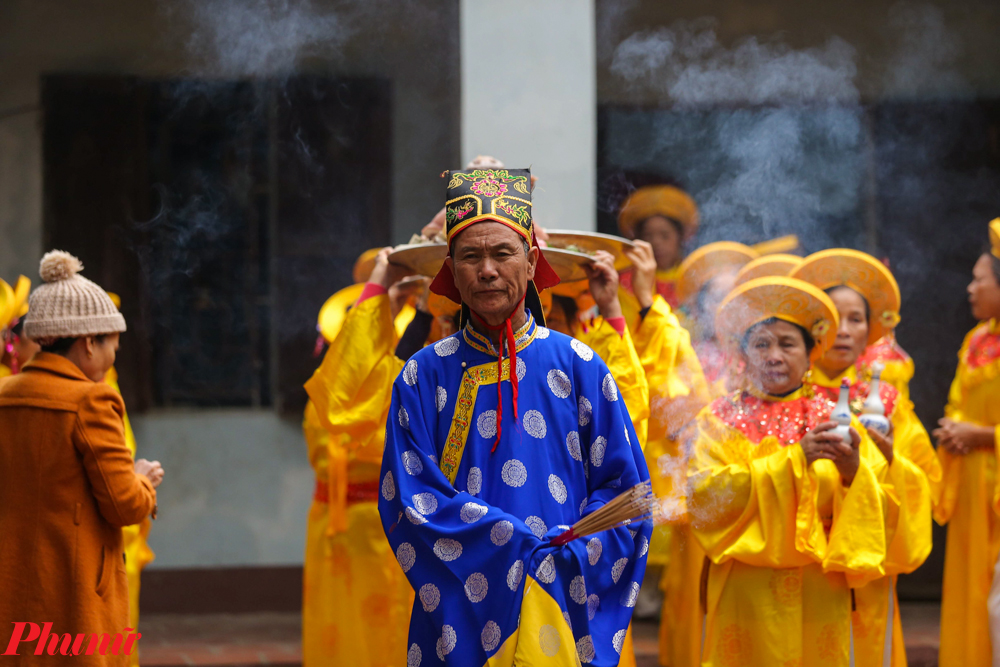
(635, 504)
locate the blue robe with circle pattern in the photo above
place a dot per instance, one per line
(472, 548)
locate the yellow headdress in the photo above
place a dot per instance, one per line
(779, 297)
(709, 261)
(865, 275)
(995, 237)
(665, 200)
(770, 265)
(334, 311)
(788, 243)
(16, 300)
(364, 265)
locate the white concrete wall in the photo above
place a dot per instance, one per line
(236, 491)
(529, 98)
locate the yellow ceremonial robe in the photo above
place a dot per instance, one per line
(137, 552)
(970, 499)
(677, 392)
(786, 541)
(357, 601)
(915, 476)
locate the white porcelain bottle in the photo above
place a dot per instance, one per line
(873, 413)
(842, 412)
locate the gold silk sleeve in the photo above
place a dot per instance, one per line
(951, 467)
(760, 504)
(619, 353)
(352, 387)
(317, 441)
(677, 387)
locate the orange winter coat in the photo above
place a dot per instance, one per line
(67, 486)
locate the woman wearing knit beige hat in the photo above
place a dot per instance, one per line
(69, 482)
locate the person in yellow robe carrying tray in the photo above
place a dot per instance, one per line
(788, 505)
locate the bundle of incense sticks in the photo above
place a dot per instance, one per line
(635, 504)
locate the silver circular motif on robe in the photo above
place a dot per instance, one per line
(585, 649)
(594, 550)
(490, 636)
(514, 575)
(411, 462)
(415, 517)
(557, 489)
(472, 512)
(476, 587)
(581, 350)
(522, 369)
(425, 503)
(541, 333)
(430, 597)
(585, 410)
(486, 424)
(537, 526)
(597, 451)
(514, 473)
(546, 572)
(559, 383)
(618, 641)
(441, 398)
(446, 644)
(410, 372)
(406, 556)
(475, 482)
(549, 640)
(388, 486)
(628, 440)
(446, 346)
(583, 505)
(643, 546)
(447, 550)
(630, 595)
(501, 533)
(609, 388)
(618, 568)
(578, 590)
(534, 424)
(566, 618)
(404, 419)
(593, 602)
(414, 656)
(573, 445)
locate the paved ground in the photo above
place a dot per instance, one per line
(273, 639)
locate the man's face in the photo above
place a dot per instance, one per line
(491, 269)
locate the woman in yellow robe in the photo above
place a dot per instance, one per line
(968, 438)
(791, 515)
(867, 299)
(677, 392)
(357, 600)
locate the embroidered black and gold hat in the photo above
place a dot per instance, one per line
(491, 195)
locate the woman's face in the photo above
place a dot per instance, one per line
(666, 241)
(776, 357)
(95, 355)
(852, 335)
(984, 291)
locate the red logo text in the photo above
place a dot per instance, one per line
(82, 643)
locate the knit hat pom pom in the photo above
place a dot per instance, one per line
(59, 265)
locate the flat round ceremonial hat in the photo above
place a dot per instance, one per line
(779, 297)
(364, 265)
(778, 264)
(709, 261)
(666, 200)
(864, 274)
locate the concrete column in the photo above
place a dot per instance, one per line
(529, 99)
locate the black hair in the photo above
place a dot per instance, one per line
(868, 310)
(640, 226)
(18, 328)
(568, 306)
(995, 263)
(806, 336)
(62, 345)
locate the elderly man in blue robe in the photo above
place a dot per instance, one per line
(498, 439)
